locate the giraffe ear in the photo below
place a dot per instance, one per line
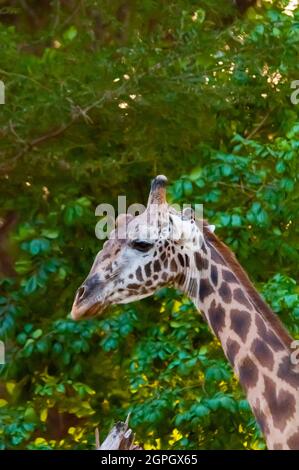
(180, 228)
(212, 228)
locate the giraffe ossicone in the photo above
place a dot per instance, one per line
(164, 247)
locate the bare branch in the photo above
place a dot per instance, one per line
(120, 438)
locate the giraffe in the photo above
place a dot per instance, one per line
(164, 247)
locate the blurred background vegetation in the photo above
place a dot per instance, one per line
(100, 97)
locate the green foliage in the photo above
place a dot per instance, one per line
(99, 98)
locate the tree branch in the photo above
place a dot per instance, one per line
(77, 113)
(259, 126)
(121, 437)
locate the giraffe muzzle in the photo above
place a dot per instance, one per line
(85, 311)
(87, 301)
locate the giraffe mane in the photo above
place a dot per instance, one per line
(232, 262)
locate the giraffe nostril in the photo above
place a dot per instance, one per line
(87, 290)
(80, 293)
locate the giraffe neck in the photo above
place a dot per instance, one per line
(252, 338)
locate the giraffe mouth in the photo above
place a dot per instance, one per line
(86, 312)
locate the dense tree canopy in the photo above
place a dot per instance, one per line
(100, 97)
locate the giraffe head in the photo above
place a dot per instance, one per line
(142, 254)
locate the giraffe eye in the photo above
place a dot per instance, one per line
(141, 245)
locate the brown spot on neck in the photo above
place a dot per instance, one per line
(240, 297)
(263, 353)
(289, 372)
(232, 349)
(261, 418)
(214, 274)
(216, 315)
(268, 335)
(293, 441)
(205, 289)
(225, 292)
(281, 403)
(200, 261)
(240, 322)
(248, 373)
